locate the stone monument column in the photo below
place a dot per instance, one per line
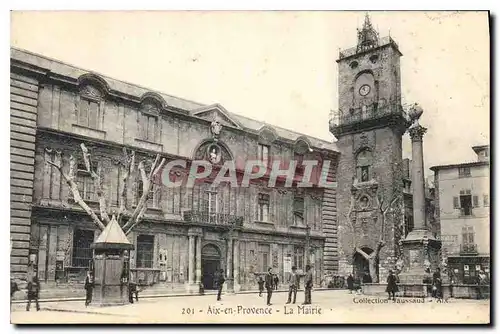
(236, 269)
(229, 266)
(420, 247)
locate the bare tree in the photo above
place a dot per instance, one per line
(127, 168)
(383, 207)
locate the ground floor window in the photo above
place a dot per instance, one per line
(298, 257)
(82, 253)
(264, 253)
(145, 251)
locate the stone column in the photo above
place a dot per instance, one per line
(236, 269)
(198, 260)
(229, 266)
(418, 181)
(191, 256)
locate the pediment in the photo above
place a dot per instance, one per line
(216, 112)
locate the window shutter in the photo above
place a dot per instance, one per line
(456, 203)
(475, 201)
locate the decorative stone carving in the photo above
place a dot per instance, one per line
(215, 129)
(417, 132)
(91, 91)
(206, 152)
(150, 108)
(214, 154)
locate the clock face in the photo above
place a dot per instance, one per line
(364, 90)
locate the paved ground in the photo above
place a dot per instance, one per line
(329, 307)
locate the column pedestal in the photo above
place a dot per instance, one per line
(229, 268)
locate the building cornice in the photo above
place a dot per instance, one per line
(461, 165)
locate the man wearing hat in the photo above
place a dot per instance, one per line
(293, 284)
(269, 285)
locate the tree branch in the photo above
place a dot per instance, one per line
(147, 184)
(97, 184)
(76, 194)
(366, 256)
(127, 169)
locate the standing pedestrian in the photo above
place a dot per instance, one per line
(220, 282)
(392, 285)
(89, 287)
(436, 284)
(293, 284)
(269, 285)
(276, 281)
(350, 283)
(33, 292)
(133, 290)
(13, 289)
(260, 282)
(308, 284)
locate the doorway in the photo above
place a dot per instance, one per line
(360, 265)
(210, 266)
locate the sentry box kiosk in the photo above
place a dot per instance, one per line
(111, 266)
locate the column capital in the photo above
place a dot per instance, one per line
(417, 132)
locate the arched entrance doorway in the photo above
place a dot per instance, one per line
(210, 264)
(360, 264)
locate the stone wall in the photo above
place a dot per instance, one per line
(23, 118)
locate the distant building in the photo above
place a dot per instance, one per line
(462, 208)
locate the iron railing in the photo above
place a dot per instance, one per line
(369, 112)
(212, 218)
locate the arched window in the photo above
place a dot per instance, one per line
(364, 162)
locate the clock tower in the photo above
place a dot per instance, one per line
(369, 125)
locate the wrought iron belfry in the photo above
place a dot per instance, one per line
(367, 36)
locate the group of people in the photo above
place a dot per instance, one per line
(89, 288)
(33, 289)
(393, 281)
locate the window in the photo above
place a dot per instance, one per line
(263, 213)
(85, 183)
(88, 114)
(486, 200)
(298, 257)
(145, 250)
(467, 235)
(264, 253)
(464, 172)
(299, 168)
(211, 205)
(147, 127)
(298, 210)
(263, 154)
(152, 196)
(364, 161)
(82, 253)
(464, 202)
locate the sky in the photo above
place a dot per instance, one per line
(279, 67)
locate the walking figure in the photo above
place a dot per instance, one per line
(308, 284)
(436, 284)
(392, 285)
(33, 292)
(89, 287)
(13, 289)
(293, 284)
(132, 290)
(276, 281)
(269, 285)
(260, 282)
(350, 283)
(220, 283)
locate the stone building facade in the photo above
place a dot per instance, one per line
(369, 126)
(187, 233)
(463, 212)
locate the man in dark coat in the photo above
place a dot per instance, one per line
(269, 285)
(33, 292)
(350, 283)
(276, 281)
(220, 279)
(308, 284)
(13, 289)
(260, 282)
(132, 290)
(392, 285)
(89, 287)
(293, 285)
(436, 284)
